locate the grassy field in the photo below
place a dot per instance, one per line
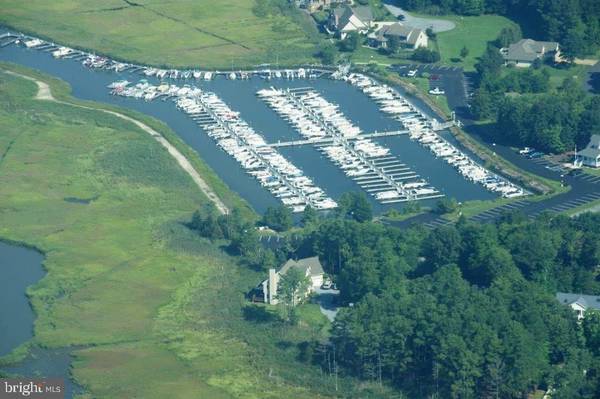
(471, 32)
(204, 33)
(160, 310)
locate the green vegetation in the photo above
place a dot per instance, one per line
(466, 309)
(160, 306)
(470, 32)
(423, 85)
(177, 33)
(574, 24)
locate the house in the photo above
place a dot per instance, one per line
(408, 36)
(346, 19)
(524, 52)
(311, 267)
(579, 303)
(590, 155)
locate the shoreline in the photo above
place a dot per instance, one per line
(45, 94)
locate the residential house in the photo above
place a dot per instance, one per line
(407, 36)
(590, 155)
(346, 19)
(579, 303)
(524, 52)
(311, 267)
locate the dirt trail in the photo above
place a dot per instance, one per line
(44, 93)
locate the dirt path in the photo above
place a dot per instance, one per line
(44, 93)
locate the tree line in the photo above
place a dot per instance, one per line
(466, 311)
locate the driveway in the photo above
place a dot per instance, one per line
(327, 300)
(437, 25)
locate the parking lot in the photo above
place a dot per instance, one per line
(450, 79)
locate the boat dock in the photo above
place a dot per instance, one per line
(329, 140)
(368, 163)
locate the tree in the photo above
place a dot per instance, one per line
(351, 42)
(394, 44)
(293, 284)
(327, 53)
(508, 36)
(446, 205)
(423, 54)
(591, 331)
(278, 218)
(205, 222)
(355, 205)
(310, 216)
(464, 52)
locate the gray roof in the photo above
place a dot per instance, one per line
(529, 50)
(303, 264)
(363, 13)
(593, 148)
(342, 14)
(407, 34)
(585, 301)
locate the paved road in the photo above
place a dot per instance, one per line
(438, 25)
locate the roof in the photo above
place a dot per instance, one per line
(405, 33)
(303, 264)
(593, 148)
(363, 13)
(585, 301)
(342, 14)
(529, 50)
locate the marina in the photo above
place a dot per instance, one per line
(422, 129)
(367, 163)
(410, 164)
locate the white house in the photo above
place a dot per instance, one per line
(407, 36)
(579, 303)
(590, 155)
(346, 19)
(311, 267)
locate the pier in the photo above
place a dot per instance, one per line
(331, 139)
(367, 163)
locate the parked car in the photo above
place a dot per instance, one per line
(526, 150)
(412, 73)
(437, 91)
(327, 284)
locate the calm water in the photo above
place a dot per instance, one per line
(19, 268)
(241, 96)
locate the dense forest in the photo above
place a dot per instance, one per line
(575, 24)
(463, 311)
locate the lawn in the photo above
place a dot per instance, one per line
(472, 33)
(160, 311)
(174, 33)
